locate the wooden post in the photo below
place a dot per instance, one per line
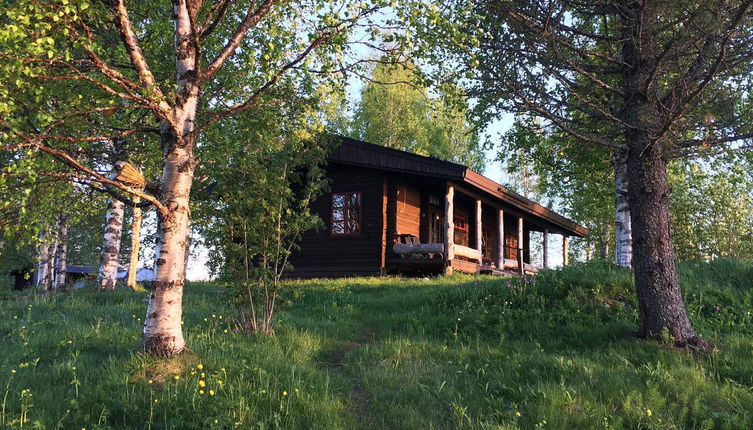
(546, 248)
(449, 237)
(565, 250)
(501, 239)
(135, 244)
(521, 263)
(479, 231)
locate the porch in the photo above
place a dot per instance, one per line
(464, 231)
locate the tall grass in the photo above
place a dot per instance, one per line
(555, 351)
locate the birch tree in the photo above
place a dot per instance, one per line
(109, 256)
(397, 111)
(91, 72)
(61, 252)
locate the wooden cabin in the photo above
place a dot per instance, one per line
(390, 211)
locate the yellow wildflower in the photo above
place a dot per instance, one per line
(176, 377)
(648, 412)
(211, 392)
(201, 391)
(517, 414)
(284, 393)
(150, 381)
(202, 384)
(200, 366)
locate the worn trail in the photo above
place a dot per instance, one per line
(359, 399)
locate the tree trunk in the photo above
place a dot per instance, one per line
(604, 248)
(656, 281)
(657, 284)
(42, 277)
(135, 245)
(108, 260)
(61, 255)
(623, 251)
(163, 334)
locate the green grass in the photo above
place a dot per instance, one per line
(448, 352)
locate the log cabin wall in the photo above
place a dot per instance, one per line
(402, 193)
(408, 207)
(324, 255)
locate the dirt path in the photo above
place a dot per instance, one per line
(359, 398)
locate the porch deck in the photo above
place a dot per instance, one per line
(430, 258)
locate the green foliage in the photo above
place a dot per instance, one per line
(710, 205)
(580, 179)
(396, 111)
(255, 206)
(712, 208)
(554, 351)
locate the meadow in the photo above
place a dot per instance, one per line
(555, 351)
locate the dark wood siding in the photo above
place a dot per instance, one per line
(321, 254)
(408, 202)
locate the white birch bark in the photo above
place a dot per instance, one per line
(42, 277)
(163, 334)
(108, 260)
(624, 237)
(135, 245)
(61, 254)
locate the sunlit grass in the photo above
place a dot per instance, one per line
(459, 352)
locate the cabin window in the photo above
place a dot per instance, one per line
(461, 230)
(460, 222)
(346, 214)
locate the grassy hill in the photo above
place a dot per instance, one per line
(450, 352)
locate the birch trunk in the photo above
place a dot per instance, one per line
(61, 256)
(42, 276)
(135, 245)
(108, 260)
(163, 334)
(623, 251)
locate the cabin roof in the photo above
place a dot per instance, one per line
(359, 153)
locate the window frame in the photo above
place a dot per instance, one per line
(345, 219)
(457, 225)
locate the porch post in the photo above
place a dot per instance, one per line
(449, 236)
(501, 239)
(565, 250)
(479, 232)
(521, 268)
(546, 248)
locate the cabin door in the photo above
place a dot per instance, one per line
(435, 216)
